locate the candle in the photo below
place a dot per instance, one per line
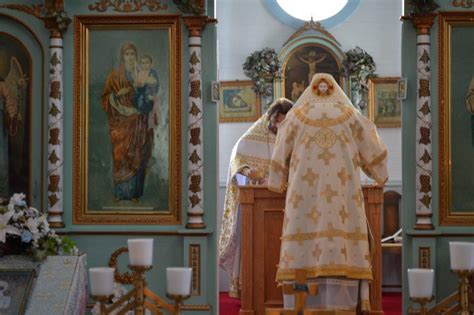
(140, 251)
(101, 281)
(461, 255)
(178, 281)
(420, 283)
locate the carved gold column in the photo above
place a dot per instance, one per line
(424, 152)
(195, 25)
(56, 21)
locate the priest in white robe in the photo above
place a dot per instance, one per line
(319, 149)
(250, 157)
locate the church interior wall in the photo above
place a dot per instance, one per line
(100, 240)
(374, 26)
(435, 243)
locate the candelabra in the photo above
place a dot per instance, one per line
(140, 297)
(420, 285)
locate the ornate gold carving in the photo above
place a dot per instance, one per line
(462, 4)
(54, 183)
(426, 158)
(194, 158)
(51, 13)
(54, 136)
(448, 215)
(196, 24)
(122, 278)
(425, 134)
(424, 89)
(128, 6)
(195, 264)
(81, 212)
(311, 25)
(195, 89)
(194, 109)
(195, 136)
(53, 158)
(195, 185)
(194, 199)
(53, 199)
(424, 257)
(55, 91)
(422, 21)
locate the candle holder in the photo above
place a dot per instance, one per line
(141, 297)
(464, 290)
(422, 301)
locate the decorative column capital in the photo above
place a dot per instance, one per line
(423, 22)
(51, 13)
(196, 24)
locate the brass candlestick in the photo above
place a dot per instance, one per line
(464, 289)
(139, 293)
(422, 301)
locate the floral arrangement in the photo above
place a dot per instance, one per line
(423, 6)
(262, 66)
(28, 229)
(360, 65)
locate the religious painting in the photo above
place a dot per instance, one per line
(215, 87)
(238, 102)
(15, 287)
(384, 105)
(304, 62)
(15, 112)
(127, 114)
(456, 120)
(402, 89)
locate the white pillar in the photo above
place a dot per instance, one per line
(424, 132)
(55, 132)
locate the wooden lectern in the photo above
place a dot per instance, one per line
(262, 221)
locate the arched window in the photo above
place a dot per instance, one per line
(296, 12)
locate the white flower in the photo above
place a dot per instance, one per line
(44, 222)
(18, 199)
(32, 224)
(5, 228)
(17, 214)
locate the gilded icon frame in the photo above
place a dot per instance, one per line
(242, 90)
(151, 28)
(448, 215)
(389, 86)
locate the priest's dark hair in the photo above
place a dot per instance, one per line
(279, 106)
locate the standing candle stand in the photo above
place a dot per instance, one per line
(420, 284)
(140, 258)
(462, 263)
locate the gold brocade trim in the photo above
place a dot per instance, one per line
(369, 169)
(260, 138)
(379, 158)
(365, 305)
(323, 122)
(327, 270)
(353, 236)
(274, 165)
(260, 163)
(280, 189)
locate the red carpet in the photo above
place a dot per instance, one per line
(391, 304)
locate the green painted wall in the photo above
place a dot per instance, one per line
(437, 240)
(170, 242)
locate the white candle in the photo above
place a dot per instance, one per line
(101, 281)
(420, 283)
(461, 255)
(140, 251)
(178, 281)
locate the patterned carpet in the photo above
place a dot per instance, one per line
(391, 304)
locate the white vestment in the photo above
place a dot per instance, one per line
(254, 150)
(318, 151)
